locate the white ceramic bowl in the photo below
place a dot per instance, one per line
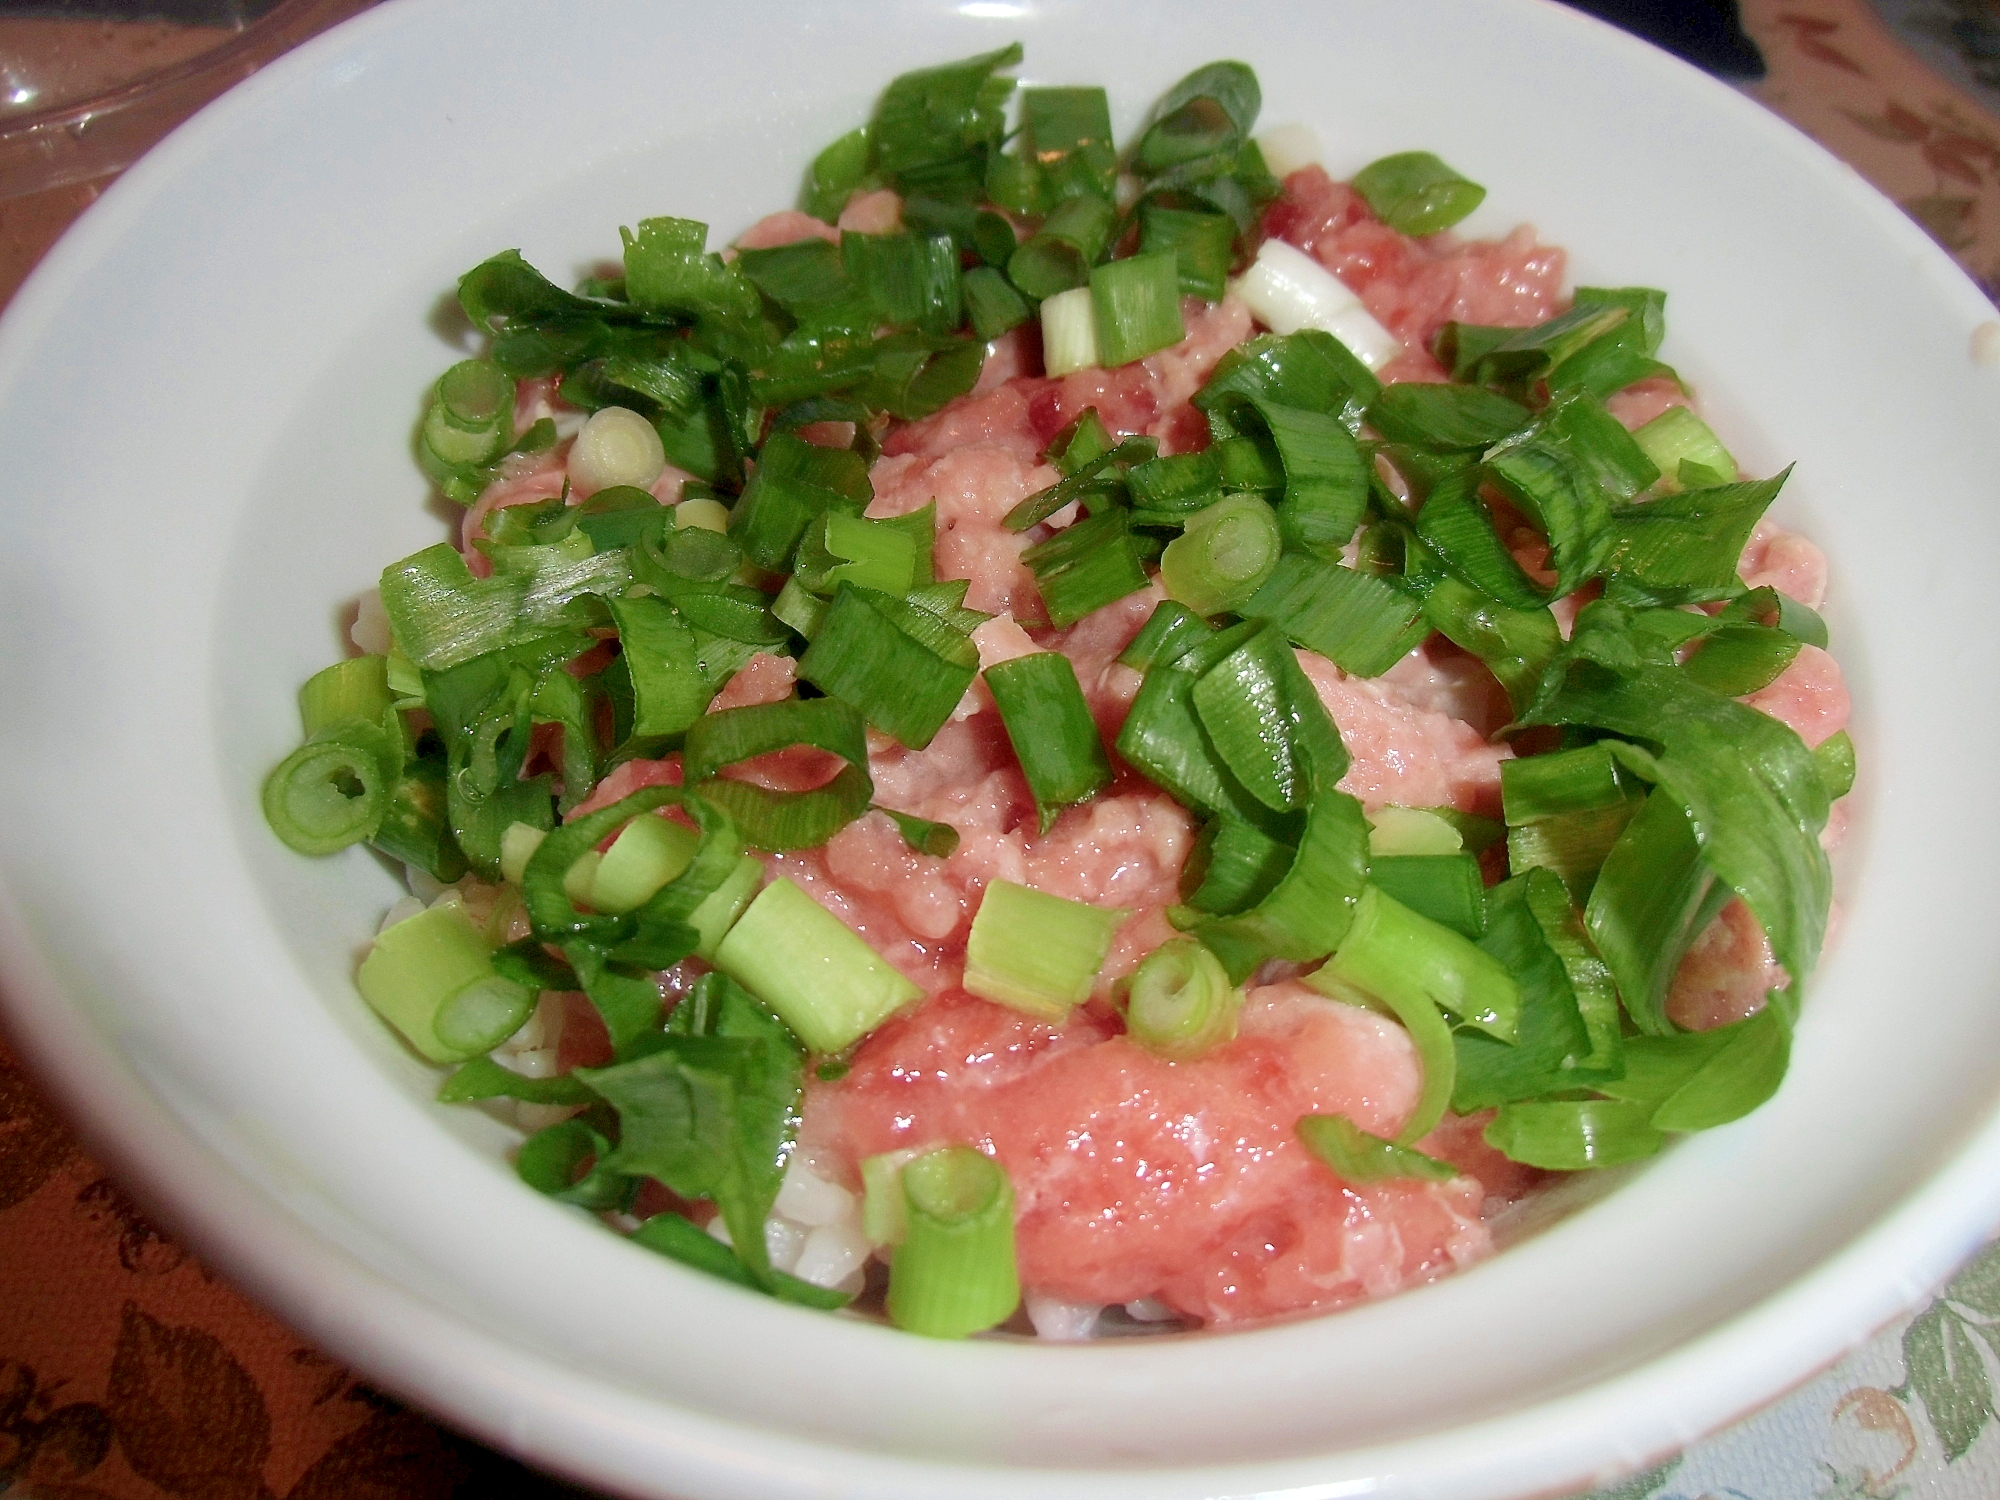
(206, 396)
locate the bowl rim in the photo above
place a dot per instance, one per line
(494, 1387)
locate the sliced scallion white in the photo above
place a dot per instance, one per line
(1286, 290)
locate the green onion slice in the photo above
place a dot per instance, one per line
(1309, 911)
(1223, 557)
(1232, 867)
(1051, 729)
(1208, 113)
(431, 976)
(1179, 1002)
(1086, 566)
(1036, 952)
(1416, 194)
(771, 820)
(902, 666)
(551, 1161)
(1137, 303)
(1361, 1158)
(810, 968)
(954, 1273)
(1834, 759)
(1571, 1136)
(1363, 625)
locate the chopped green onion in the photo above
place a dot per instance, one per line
(1626, 353)
(1457, 526)
(1754, 797)
(677, 1238)
(1266, 723)
(912, 279)
(873, 554)
(992, 303)
(1163, 737)
(810, 968)
(1520, 357)
(1406, 997)
(1169, 630)
(1224, 556)
(836, 173)
(416, 825)
(1677, 436)
(1309, 370)
(921, 835)
(1036, 952)
(1445, 417)
(1207, 113)
(1608, 453)
(333, 790)
(1572, 1136)
(1361, 1158)
(470, 420)
(979, 231)
(1059, 256)
(483, 1078)
(800, 608)
(1080, 445)
(1390, 950)
(1692, 539)
(1363, 625)
(1566, 781)
(1069, 332)
(1232, 867)
(1070, 132)
(1079, 483)
(1553, 1046)
(1574, 845)
(1289, 292)
(954, 1273)
(718, 910)
(902, 666)
(549, 1162)
(1416, 194)
(658, 650)
(1409, 831)
(1654, 894)
(778, 821)
(1516, 644)
(1740, 659)
(1447, 888)
(648, 853)
(1202, 244)
(1310, 910)
(1834, 758)
(667, 271)
(1087, 566)
(1049, 724)
(885, 1217)
(1697, 1080)
(351, 691)
(1137, 303)
(931, 119)
(431, 977)
(1179, 1002)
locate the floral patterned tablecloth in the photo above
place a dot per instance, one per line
(128, 1371)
